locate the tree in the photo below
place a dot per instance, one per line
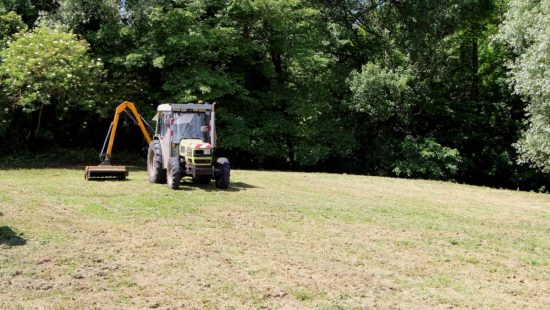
(525, 30)
(49, 68)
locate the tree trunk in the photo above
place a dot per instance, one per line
(474, 89)
(37, 131)
(278, 63)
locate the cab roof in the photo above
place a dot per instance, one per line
(189, 107)
(182, 107)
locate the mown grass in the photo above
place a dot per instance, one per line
(275, 240)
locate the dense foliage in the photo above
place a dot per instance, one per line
(526, 30)
(405, 88)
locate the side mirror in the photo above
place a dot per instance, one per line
(205, 129)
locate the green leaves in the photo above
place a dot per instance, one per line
(10, 24)
(48, 66)
(381, 93)
(425, 158)
(135, 60)
(525, 30)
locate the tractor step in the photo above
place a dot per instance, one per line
(105, 172)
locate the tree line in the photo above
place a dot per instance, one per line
(450, 90)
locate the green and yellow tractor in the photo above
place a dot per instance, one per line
(183, 146)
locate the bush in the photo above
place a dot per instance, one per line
(425, 158)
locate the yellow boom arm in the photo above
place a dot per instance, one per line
(121, 108)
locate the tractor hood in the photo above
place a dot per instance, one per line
(187, 146)
(194, 143)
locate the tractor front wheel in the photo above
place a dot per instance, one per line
(174, 174)
(154, 163)
(224, 172)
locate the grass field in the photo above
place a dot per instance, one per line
(274, 240)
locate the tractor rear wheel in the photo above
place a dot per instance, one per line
(174, 174)
(224, 172)
(154, 163)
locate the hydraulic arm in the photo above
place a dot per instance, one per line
(105, 157)
(105, 170)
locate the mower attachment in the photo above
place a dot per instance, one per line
(105, 172)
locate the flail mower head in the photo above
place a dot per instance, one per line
(105, 172)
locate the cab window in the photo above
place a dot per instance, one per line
(160, 124)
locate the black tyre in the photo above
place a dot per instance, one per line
(224, 173)
(202, 179)
(154, 163)
(174, 174)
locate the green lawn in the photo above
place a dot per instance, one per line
(274, 240)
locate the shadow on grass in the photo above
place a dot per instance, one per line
(106, 179)
(10, 238)
(211, 187)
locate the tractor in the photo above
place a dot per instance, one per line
(183, 146)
